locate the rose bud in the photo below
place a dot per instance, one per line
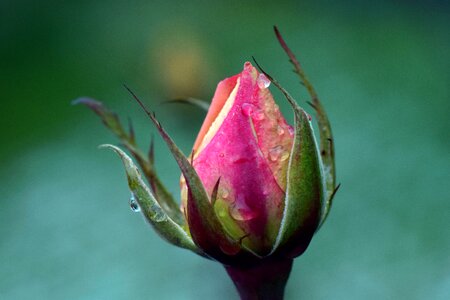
(253, 191)
(246, 142)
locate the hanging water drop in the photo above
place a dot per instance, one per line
(134, 204)
(263, 81)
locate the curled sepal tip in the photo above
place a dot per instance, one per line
(152, 211)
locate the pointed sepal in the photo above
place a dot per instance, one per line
(109, 118)
(204, 225)
(112, 122)
(304, 189)
(152, 211)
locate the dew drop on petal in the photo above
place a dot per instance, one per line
(222, 213)
(241, 212)
(275, 153)
(247, 109)
(134, 204)
(263, 81)
(280, 130)
(225, 194)
(284, 156)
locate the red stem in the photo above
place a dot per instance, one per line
(264, 281)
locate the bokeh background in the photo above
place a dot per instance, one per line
(381, 69)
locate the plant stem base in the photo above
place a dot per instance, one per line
(262, 281)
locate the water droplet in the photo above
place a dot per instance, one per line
(250, 110)
(275, 153)
(247, 109)
(241, 212)
(263, 81)
(284, 156)
(280, 130)
(221, 154)
(134, 204)
(222, 212)
(247, 65)
(225, 194)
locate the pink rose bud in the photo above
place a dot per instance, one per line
(254, 191)
(246, 142)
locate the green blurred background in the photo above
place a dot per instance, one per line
(381, 69)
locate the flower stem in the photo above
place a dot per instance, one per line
(262, 281)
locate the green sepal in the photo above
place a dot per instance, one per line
(204, 226)
(304, 190)
(304, 187)
(152, 211)
(112, 122)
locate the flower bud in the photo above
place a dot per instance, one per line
(255, 189)
(246, 142)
